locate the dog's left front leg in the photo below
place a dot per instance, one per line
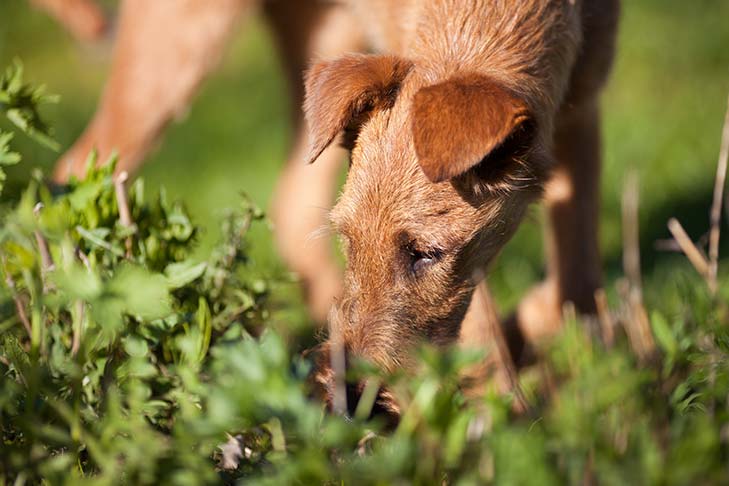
(572, 200)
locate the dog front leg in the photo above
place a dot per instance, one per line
(303, 30)
(572, 200)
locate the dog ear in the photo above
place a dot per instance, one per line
(457, 123)
(342, 94)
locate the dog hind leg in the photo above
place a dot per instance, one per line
(163, 51)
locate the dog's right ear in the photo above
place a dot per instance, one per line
(342, 94)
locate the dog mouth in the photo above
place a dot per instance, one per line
(383, 408)
(364, 399)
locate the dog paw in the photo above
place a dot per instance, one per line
(539, 314)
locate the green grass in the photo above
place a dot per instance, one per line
(663, 111)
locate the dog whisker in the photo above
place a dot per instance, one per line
(324, 231)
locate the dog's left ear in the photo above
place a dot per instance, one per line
(342, 94)
(456, 124)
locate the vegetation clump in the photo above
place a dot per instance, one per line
(127, 359)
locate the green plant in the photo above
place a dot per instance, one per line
(19, 103)
(125, 359)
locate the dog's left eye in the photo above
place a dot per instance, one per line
(421, 260)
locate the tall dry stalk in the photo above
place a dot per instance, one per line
(605, 318)
(636, 323)
(717, 204)
(708, 268)
(687, 246)
(122, 201)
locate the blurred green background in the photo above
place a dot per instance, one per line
(663, 113)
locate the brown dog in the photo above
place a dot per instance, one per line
(470, 111)
(452, 134)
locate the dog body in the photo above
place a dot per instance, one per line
(467, 112)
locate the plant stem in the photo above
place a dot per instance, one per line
(717, 204)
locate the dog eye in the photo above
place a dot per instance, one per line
(421, 260)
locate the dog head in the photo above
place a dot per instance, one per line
(440, 175)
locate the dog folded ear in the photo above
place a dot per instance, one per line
(457, 123)
(342, 94)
